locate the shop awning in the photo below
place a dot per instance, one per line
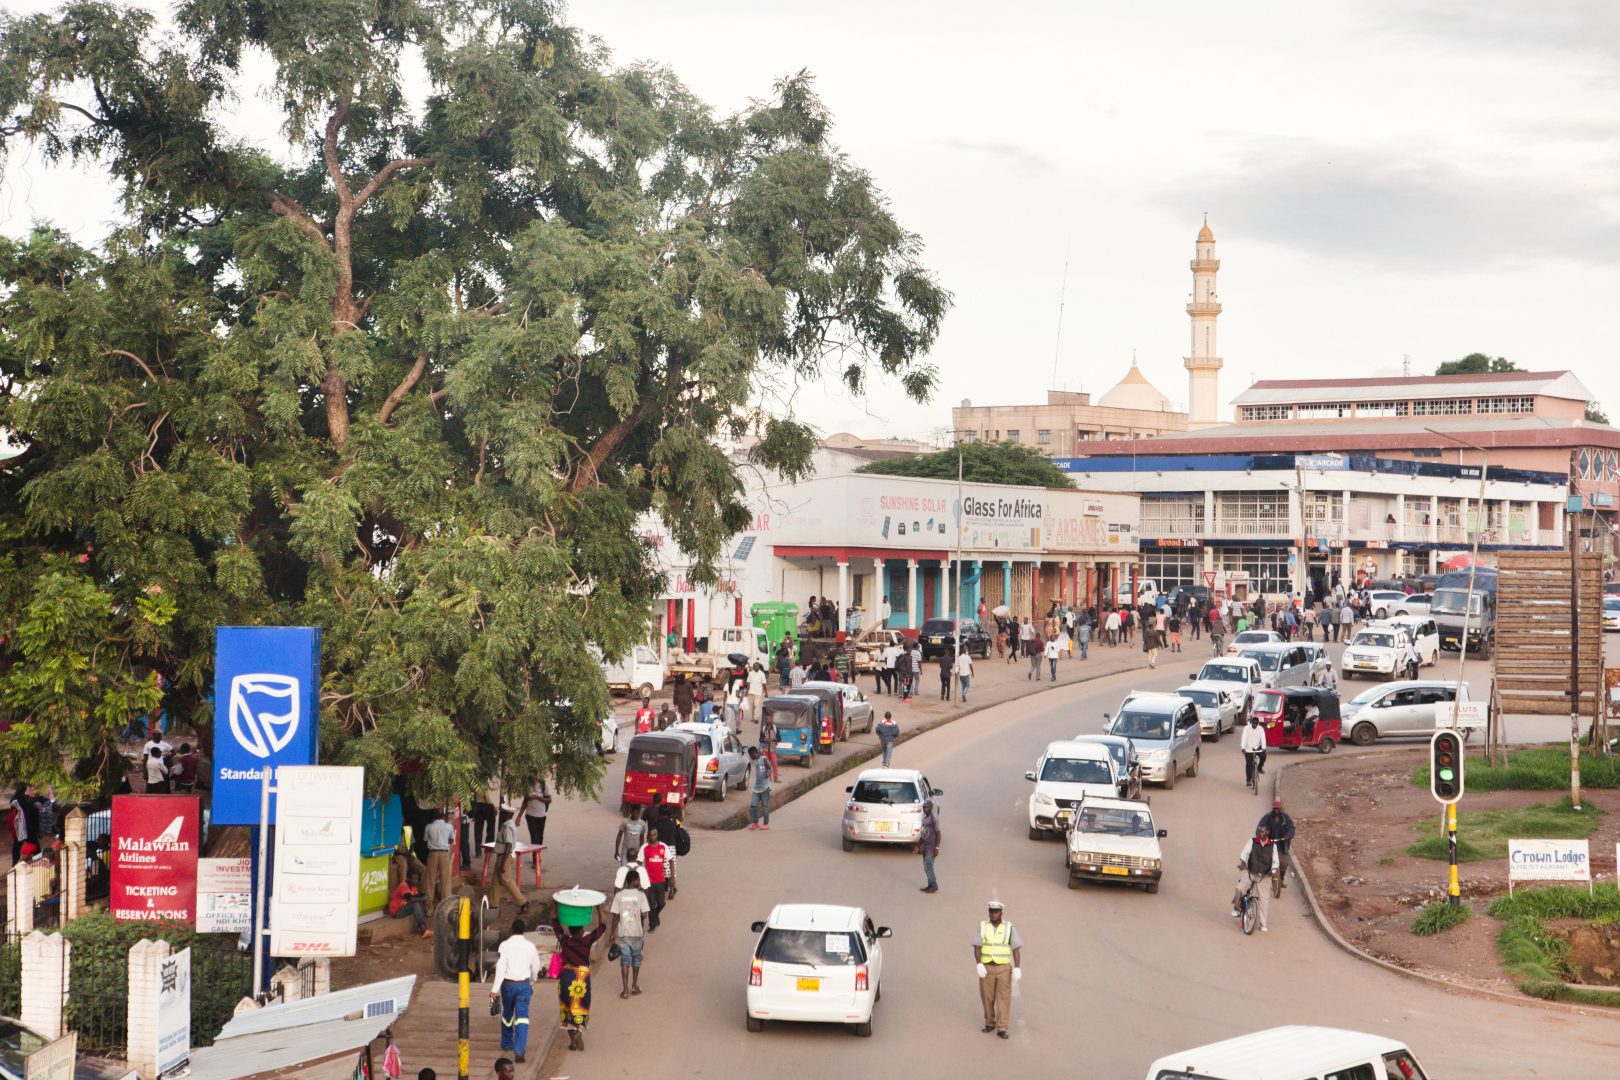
(313, 1039)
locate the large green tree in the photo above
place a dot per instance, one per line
(413, 376)
(1477, 363)
(981, 463)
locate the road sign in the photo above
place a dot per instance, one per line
(266, 708)
(1210, 576)
(1469, 714)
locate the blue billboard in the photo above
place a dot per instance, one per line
(267, 682)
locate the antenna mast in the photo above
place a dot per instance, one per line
(1063, 295)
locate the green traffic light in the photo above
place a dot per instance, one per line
(1447, 775)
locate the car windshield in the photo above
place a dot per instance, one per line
(886, 792)
(1141, 725)
(1209, 699)
(787, 718)
(16, 1043)
(817, 948)
(1268, 661)
(1224, 673)
(1268, 702)
(1379, 641)
(1366, 697)
(1116, 822)
(1249, 637)
(937, 626)
(1450, 602)
(1076, 771)
(1611, 603)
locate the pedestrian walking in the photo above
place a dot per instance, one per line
(654, 858)
(1026, 635)
(1347, 621)
(157, 773)
(887, 732)
(506, 840)
(1053, 649)
(1414, 659)
(946, 665)
(667, 827)
(438, 836)
(574, 983)
(889, 673)
(683, 699)
(759, 807)
(631, 835)
(1175, 633)
(767, 744)
(914, 670)
(1111, 628)
(536, 805)
(734, 700)
(797, 675)
(1034, 649)
(928, 844)
(964, 672)
(516, 967)
(998, 957)
(629, 909)
(1083, 636)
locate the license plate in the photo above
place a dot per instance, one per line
(1120, 870)
(786, 746)
(1064, 815)
(936, 641)
(811, 985)
(1362, 664)
(883, 826)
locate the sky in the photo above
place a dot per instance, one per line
(1387, 180)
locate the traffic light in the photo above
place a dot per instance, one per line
(1446, 766)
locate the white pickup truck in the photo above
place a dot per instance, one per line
(641, 672)
(714, 661)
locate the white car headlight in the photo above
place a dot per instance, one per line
(1043, 800)
(1155, 755)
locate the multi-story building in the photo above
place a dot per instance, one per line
(1324, 479)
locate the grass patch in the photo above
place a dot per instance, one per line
(1543, 768)
(1438, 916)
(1538, 959)
(1484, 834)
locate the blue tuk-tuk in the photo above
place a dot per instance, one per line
(798, 725)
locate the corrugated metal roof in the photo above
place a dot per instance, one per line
(310, 1039)
(1559, 384)
(387, 998)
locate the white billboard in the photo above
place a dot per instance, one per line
(313, 908)
(1549, 860)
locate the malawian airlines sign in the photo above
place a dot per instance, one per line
(153, 861)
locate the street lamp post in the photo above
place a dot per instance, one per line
(1473, 563)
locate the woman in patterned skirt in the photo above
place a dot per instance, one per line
(574, 983)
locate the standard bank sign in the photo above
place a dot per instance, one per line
(266, 679)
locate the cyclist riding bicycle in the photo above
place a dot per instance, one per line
(1256, 862)
(1253, 744)
(1281, 829)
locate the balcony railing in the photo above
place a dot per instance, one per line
(1383, 531)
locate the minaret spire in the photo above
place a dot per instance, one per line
(1203, 363)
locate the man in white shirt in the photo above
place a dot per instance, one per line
(1252, 742)
(891, 656)
(884, 611)
(535, 808)
(964, 672)
(506, 858)
(1053, 649)
(628, 932)
(756, 690)
(515, 971)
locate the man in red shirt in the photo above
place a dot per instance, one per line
(655, 855)
(408, 902)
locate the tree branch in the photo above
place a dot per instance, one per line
(383, 175)
(406, 385)
(329, 144)
(291, 209)
(586, 473)
(138, 360)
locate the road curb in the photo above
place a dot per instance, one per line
(739, 818)
(1333, 935)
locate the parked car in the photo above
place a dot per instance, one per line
(1281, 663)
(1188, 594)
(938, 636)
(1398, 709)
(1114, 840)
(821, 963)
(1218, 707)
(1127, 762)
(1239, 674)
(1376, 650)
(1321, 663)
(1415, 604)
(1165, 729)
(1611, 613)
(1066, 772)
(17, 1041)
(1242, 641)
(1421, 630)
(722, 760)
(1382, 603)
(885, 807)
(1290, 1052)
(858, 712)
(640, 673)
(1146, 589)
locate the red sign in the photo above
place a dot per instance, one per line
(154, 858)
(1210, 576)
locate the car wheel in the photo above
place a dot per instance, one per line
(755, 1024)
(1170, 776)
(1036, 834)
(723, 790)
(645, 690)
(863, 1031)
(1325, 746)
(878, 996)
(849, 845)
(1153, 886)
(1363, 734)
(1074, 882)
(805, 761)
(1193, 770)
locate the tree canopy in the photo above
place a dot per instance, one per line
(982, 463)
(415, 380)
(1477, 363)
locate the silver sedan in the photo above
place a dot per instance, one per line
(858, 712)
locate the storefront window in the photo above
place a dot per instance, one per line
(1267, 568)
(1172, 568)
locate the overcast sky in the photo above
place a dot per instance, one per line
(1386, 178)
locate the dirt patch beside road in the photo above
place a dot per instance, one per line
(1355, 816)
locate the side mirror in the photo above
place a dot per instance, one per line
(757, 927)
(938, 792)
(1163, 833)
(1029, 775)
(849, 789)
(1192, 676)
(884, 931)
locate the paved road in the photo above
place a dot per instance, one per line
(1112, 979)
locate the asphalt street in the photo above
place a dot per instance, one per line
(1112, 977)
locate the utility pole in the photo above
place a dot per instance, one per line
(1575, 661)
(961, 509)
(1473, 565)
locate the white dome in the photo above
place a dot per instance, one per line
(1135, 392)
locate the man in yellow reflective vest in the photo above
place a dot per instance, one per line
(998, 956)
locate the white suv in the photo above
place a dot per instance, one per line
(1376, 650)
(1068, 772)
(821, 963)
(1166, 732)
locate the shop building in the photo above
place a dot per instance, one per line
(857, 539)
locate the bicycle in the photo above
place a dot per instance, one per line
(1249, 909)
(1251, 769)
(1277, 883)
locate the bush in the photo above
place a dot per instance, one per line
(1544, 768)
(1438, 916)
(1541, 960)
(1484, 834)
(11, 978)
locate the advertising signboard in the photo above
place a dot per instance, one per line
(54, 1061)
(174, 1013)
(153, 861)
(224, 895)
(266, 681)
(314, 904)
(1549, 860)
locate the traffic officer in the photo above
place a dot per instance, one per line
(998, 956)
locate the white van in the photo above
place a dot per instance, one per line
(1293, 1053)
